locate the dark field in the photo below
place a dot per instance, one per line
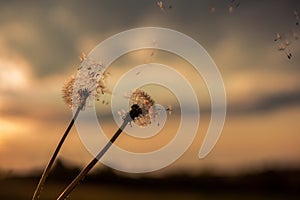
(23, 189)
(105, 184)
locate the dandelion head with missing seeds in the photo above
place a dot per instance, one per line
(146, 105)
(88, 85)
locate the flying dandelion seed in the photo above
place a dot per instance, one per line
(295, 35)
(232, 5)
(284, 44)
(230, 8)
(150, 55)
(169, 109)
(160, 5)
(212, 9)
(277, 38)
(288, 36)
(82, 57)
(297, 17)
(281, 47)
(164, 6)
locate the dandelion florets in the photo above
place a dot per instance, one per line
(145, 104)
(88, 84)
(68, 91)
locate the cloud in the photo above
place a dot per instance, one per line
(50, 34)
(46, 44)
(268, 103)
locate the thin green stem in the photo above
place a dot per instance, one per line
(86, 170)
(45, 174)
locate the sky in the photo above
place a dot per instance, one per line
(40, 46)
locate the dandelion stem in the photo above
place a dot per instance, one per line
(45, 174)
(86, 170)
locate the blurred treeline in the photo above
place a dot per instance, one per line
(106, 183)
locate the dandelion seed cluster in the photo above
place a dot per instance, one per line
(68, 91)
(88, 85)
(146, 103)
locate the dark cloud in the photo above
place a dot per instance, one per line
(54, 46)
(268, 103)
(50, 48)
(265, 104)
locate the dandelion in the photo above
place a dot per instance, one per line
(146, 104)
(75, 99)
(78, 92)
(141, 105)
(90, 77)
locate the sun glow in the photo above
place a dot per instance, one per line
(13, 75)
(7, 127)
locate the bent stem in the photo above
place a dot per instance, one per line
(45, 174)
(86, 170)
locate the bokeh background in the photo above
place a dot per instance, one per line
(40, 45)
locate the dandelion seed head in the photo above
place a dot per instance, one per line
(87, 86)
(146, 105)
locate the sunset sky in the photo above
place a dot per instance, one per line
(40, 45)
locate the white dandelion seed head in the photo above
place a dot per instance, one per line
(88, 84)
